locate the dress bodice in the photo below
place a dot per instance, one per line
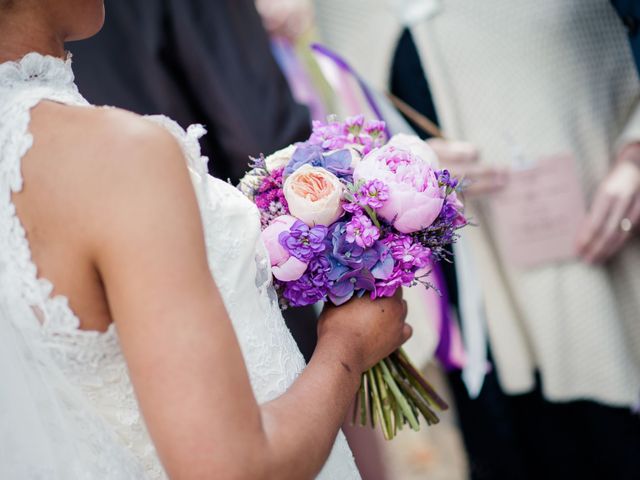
(92, 361)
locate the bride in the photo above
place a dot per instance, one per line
(140, 336)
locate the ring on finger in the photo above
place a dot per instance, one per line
(626, 225)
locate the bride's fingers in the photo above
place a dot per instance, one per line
(398, 294)
(405, 310)
(407, 331)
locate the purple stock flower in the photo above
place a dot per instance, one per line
(353, 132)
(373, 193)
(312, 287)
(361, 231)
(445, 179)
(389, 286)
(329, 136)
(354, 125)
(375, 128)
(302, 292)
(409, 254)
(352, 208)
(304, 242)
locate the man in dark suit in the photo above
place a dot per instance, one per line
(198, 61)
(629, 11)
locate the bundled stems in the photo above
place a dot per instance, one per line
(393, 393)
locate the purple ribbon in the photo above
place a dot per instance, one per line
(342, 64)
(443, 350)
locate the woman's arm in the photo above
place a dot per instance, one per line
(183, 356)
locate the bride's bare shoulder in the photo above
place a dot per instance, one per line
(105, 133)
(100, 163)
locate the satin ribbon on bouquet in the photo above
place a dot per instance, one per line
(356, 97)
(300, 82)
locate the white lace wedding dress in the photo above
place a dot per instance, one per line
(67, 407)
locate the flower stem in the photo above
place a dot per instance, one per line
(402, 401)
(398, 418)
(363, 400)
(428, 390)
(418, 401)
(376, 411)
(385, 421)
(372, 215)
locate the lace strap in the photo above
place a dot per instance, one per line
(15, 142)
(15, 137)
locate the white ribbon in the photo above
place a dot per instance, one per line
(410, 12)
(473, 318)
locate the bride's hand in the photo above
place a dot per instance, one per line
(369, 330)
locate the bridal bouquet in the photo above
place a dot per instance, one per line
(348, 213)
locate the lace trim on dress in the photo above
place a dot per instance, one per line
(32, 79)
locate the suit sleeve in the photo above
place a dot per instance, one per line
(223, 54)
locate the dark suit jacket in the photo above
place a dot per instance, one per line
(629, 11)
(198, 61)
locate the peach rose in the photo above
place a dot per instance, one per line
(314, 195)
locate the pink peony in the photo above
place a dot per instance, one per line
(415, 198)
(284, 267)
(414, 145)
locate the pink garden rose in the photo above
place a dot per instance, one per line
(314, 195)
(415, 198)
(284, 267)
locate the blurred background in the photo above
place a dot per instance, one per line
(533, 336)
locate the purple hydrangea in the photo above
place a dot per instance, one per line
(304, 242)
(337, 162)
(355, 269)
(349, 283)
(361, 231)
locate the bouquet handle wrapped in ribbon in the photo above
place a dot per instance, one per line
(351, 213)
